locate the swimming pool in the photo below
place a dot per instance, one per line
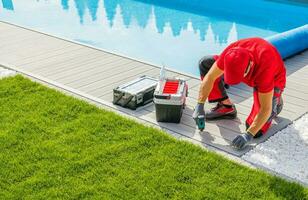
(176, 33)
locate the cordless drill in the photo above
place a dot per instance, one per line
(200, 121)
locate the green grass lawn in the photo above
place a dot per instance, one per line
(55, 146)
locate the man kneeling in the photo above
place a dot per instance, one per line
(254, 62)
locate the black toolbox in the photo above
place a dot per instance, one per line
(135, 93)
(169, 99)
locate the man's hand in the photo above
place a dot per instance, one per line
(241, 140)
(265, 100)
(199, 116)
(198, 111)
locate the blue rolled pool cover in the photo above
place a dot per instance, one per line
(291, 42)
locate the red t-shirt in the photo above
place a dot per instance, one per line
(268, 70)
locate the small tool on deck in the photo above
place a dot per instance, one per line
(200, 121)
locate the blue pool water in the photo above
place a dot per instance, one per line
(174, 32)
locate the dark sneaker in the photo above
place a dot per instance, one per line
(221, 111)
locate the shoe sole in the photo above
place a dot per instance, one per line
(228, 116)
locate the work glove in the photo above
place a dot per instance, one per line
(198, 111)
(242, 140)
(199, 116)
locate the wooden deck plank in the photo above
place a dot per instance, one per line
(298, 61)
(76, 65)
(298, 78)
(226, 134)
(87, 63)
(101, 85)
(289, 101)
(10, 51)
(11, 44)
(236, 126)
(66, 63)
(97, 74)
(245, 108)
(26, 41)
(296, 94)
(63, 65)
(193, 96)
(299, 70)
(245, 91)
(101, 65)
(97, 71)
(96, 84)
(9, 29)
(203, 137)
(59, 57)
(297, 87)
(18, 57)
(213, 129)
(106, 90)
(40, 48)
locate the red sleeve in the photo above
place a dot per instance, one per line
(265, 80)
(220, 61)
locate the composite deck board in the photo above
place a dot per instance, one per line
(42, 53)
(49, 64)
(296, 94)
(69, 53)
(299, 72)
(297, 87)
(63, 64)
(113, 78)
(103, 76)
(288, 98)
(292, 90)
(11, 45)
(226, 134)
(242, 109)
(228, 125)
(74, 68)
(77, 65)
(218, 131)
(27, 43)
(42, 59)
(11, 53)
(99, 84)
(29, 53)
(96, 73)
(188, 110)
(106, 90)
(297, 79)
(68, 66)
(98, 66)
(17, 38)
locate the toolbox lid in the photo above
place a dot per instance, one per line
(171, 87)
(138, 85)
